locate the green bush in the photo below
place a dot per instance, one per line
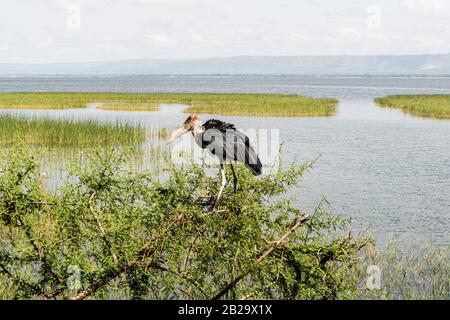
(111, 233)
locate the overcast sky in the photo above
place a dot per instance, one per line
(87, 30)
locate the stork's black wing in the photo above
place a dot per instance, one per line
(219, 125)
(224, 141)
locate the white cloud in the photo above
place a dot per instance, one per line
(116, 29)
(428, 6)
(160, 40)
(40, 41)
(162, 2)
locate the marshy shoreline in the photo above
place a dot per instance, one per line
(224, 104)
(435, 106)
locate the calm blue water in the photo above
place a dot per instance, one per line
(387, 170)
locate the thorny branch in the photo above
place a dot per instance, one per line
(143, 254)
(100, 227)
(261, 258)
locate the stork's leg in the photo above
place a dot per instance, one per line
(203, 157)
(223, 184)
(235, 179)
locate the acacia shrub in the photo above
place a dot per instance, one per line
(111, 232)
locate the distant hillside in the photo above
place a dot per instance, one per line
(437, 64)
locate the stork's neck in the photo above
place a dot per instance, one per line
(197, 129)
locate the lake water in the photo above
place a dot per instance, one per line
(387, 170)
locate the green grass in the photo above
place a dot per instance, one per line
(263, 105)
(63, 100)
(408, 271)
(162, 133)
(225, 104)
(67, 133)
(430, 106)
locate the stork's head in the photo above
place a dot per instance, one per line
(191, 124)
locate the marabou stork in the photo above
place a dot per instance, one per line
(225, 142)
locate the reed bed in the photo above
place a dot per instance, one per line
(57, 145)
(408, 271)
(162, 133)
(67, 100)
(67, 133)
(264, 105)
(430, 106)
(225, 104)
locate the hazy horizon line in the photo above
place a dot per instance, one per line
(235, 56)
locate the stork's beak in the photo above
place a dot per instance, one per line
(177, 133)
